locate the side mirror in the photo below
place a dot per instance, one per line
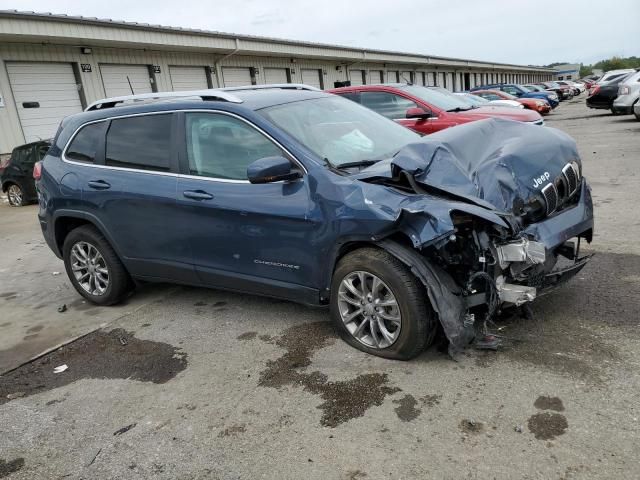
(419, 113)
(271, 169)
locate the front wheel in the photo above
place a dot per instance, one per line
(378, 306)
(93, 267)
(15, 195)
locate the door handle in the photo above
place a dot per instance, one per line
(99, 184)
(197, 195)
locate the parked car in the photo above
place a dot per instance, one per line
(480, 101)
(574, 88)
(554, 101)
(636, 110)
(521, 92)
(602, 95)
(17, 175)
(562, 91)
(294, 193)
(628, 94)
(427, 110)
(536, 104)
(613, 74)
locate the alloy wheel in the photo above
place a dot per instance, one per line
(89, 268)
(369, 310)
(15, 195)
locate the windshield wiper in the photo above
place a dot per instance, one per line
(360, 163)
(459, 109)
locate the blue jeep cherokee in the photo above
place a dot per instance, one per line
(294, 193)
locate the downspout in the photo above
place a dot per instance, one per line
(217, 66)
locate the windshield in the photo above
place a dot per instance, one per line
(474, 100)
(340, 130)
(508, 96)
(437, 98)
(527, 89)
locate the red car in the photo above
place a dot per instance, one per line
(536, 104)
(426, 110)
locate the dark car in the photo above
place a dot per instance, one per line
(303, 195)
(17, 175)
(564, 92)
(520, 92)
(602, 95)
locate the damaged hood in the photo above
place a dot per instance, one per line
(497, 164)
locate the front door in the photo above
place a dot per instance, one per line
(255, 238)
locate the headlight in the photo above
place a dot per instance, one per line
(540, 103)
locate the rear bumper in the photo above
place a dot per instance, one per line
(622, 109)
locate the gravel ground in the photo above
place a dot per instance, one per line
(200, 384)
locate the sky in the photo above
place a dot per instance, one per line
(509, 31)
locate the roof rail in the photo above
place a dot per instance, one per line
(284, 86)
(211, 94)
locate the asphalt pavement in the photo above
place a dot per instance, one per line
(188, 383)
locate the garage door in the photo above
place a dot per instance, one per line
(44, 93)
(311, 77)
(392, 76)
(376, 76)
(236, 77)
(356, 77)
(188, 78)
(120, 80)
(275, 75)
(405, 77)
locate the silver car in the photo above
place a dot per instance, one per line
(628, 94)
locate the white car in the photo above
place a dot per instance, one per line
(498, 102)
(613, 74)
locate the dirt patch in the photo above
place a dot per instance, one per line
(549, 403)
(343, 400)
(431, 400)
(406, 409)
(7, 468)
(35, 329)
(101, 354)
(247, 336)
(8, 294)
(5, 324)
(547, 426)
(471, 426)
(122, 430)
(232, 431)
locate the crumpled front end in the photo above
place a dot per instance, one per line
(499, 222)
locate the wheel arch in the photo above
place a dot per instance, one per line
(66, 221)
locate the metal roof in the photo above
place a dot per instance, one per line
(216, 34)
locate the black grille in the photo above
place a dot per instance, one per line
(550, 198)
(571, 177)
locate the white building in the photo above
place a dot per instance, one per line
(54, 65)
(568, 71)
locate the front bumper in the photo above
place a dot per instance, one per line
(535, 257)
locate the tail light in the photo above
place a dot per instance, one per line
(37, 170)
(594, 90)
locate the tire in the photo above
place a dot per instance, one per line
(417, 326)
(89, 240)
(15, 193)
(637, 116)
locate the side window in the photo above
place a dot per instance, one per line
(20, 156)
(387, 104)
(221, 146)
(142, 142)
(350, 96)
(511, 90)
(84, 146)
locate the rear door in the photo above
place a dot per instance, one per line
(245, 237)
(126, 169)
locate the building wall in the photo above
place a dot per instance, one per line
(91, 86)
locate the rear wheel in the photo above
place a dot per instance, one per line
(378, 306)
(15, 195)
(93, 267)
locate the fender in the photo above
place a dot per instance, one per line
(95, 221)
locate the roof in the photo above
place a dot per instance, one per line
(435, 59)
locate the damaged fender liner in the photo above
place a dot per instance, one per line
(446, 297)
